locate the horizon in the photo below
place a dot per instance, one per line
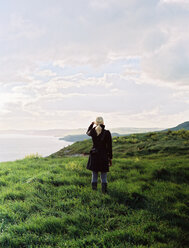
(74, 128)
(65, 63)
(118, 127)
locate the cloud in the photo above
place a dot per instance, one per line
(97, 29)
(180, 2)
(111, 93)
(124, 59)
(170, 63)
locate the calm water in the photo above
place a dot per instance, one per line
(14, 147)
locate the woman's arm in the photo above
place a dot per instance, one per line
(89, 129)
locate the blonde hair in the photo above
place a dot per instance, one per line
(98, 122)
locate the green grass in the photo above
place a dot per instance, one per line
(169, 142)
(48, 202)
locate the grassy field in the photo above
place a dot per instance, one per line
(48, 202)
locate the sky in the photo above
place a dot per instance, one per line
(63, 63)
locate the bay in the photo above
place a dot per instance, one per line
(16, 146)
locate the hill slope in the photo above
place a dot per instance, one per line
(48, 202)
(184, 126)
(169, 142)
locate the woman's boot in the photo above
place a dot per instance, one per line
(104, 188)
(94, 186)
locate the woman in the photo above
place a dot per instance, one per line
(100, 157)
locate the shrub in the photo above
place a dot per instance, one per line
(32, 155)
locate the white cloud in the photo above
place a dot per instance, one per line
(175, 1)
(45, 73)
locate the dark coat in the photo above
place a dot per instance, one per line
(103, 145)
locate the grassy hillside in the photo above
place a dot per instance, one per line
(174, 142)
(48, 202)
(182, 126)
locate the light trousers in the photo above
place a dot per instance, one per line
(103, 177)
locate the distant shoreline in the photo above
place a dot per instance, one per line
(79, 131)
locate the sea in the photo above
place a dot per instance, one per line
(16, 146)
